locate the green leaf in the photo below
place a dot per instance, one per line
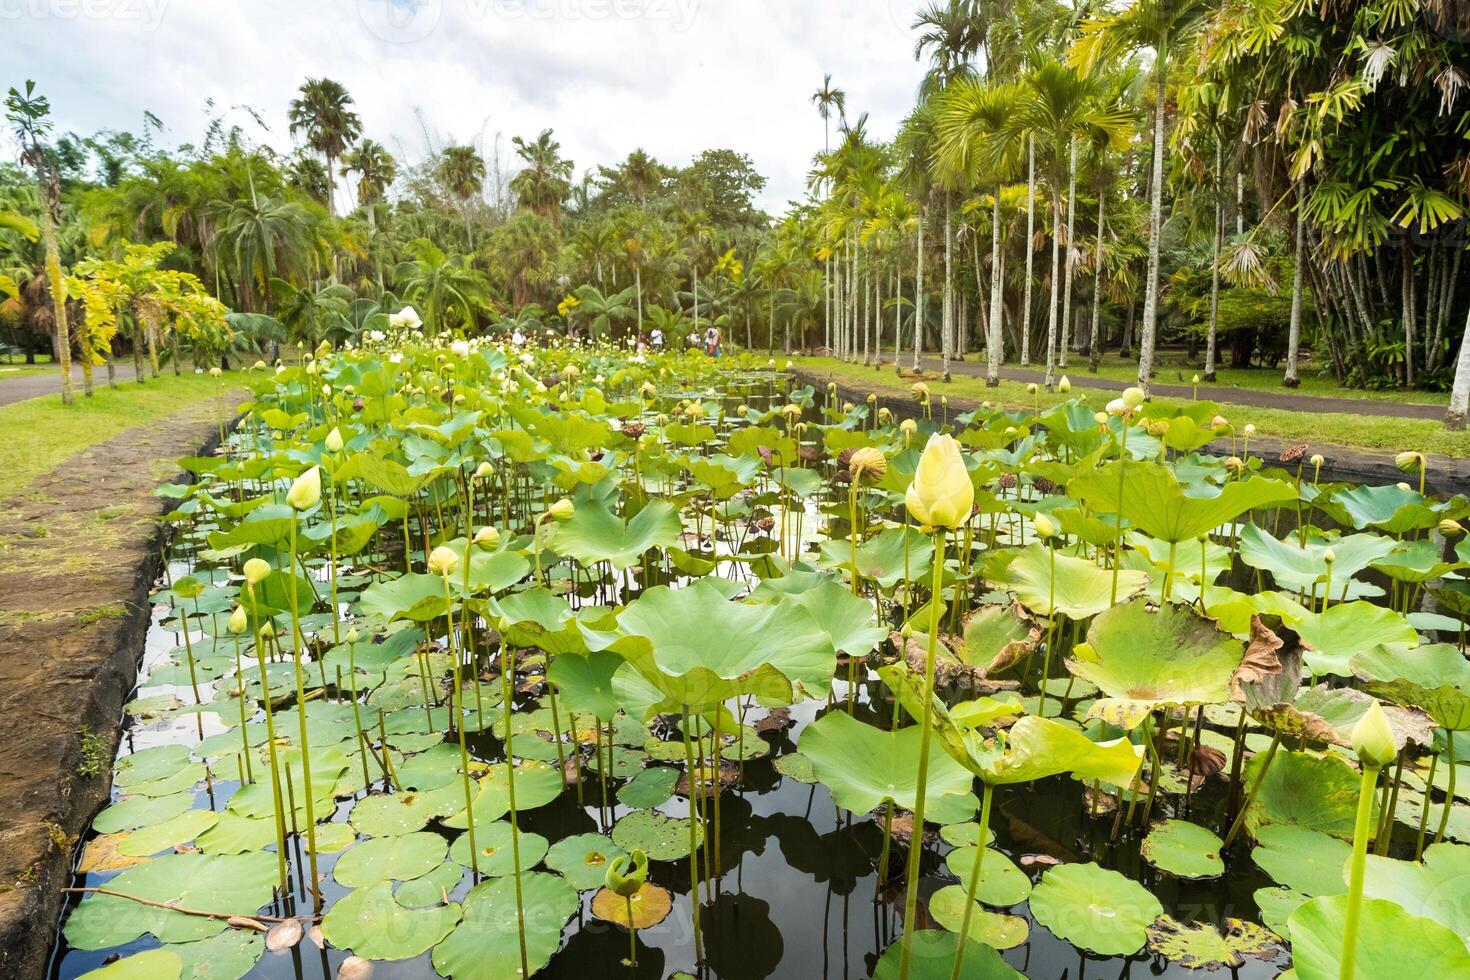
(1333, 638)
(582, 859)
(151, 964)
(1074, 587)
(1153, 500)
(1201, 945)
(370, 922)
(1316, 792)
(1094, 908)
(932, 956)
(389, 859)
(660, 836)
(1183, 849)
(864, 766)
(650, 788)
(486, 945)
(1391, 942)
(1304, 860)
(1435, 678)
(594, 534)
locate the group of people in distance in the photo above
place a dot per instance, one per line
(710, 342)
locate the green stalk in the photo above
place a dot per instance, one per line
(916, 841)
(244, 736)
(693, 841)
(464, 755)
(508, 695)
(1118, 541)
(298, 640)
(1449, 799)
(1250, 794)
(270, 736)
(1348, 959)
(959, 955)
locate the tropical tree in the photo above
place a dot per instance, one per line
(375, 168)
(323, 113)
(603, 312)
(462, 172)
(445, 288)
(544, 183)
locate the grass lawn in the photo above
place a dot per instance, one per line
(41, 432)
(1364, 432)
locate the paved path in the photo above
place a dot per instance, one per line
(1220, 393)
(19, 387)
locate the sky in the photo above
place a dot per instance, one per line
(673, 77)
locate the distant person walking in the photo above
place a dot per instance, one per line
(712, 342)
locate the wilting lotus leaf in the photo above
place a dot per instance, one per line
(431, 888)
(650, 906)
(1080, 589)
(140, 811)
(1094, 908)
(1433, 889)
(594, 534)
(102, 854)
(1333, 638)
(585, 683)
(537, 784)
(370, 922)
(228, 956)
(1316, 792)
(389, 859)
(237, 884)
(1144, 659)
(386, 814)
(997, 636)
(1001, 883)
(774, 650)
(865, 766)
(932, 955)
(1183, 849)
(486, 946)
(947, 907)
(493, 849)
(794, 765)
(175, 830)
(1391, 942)
(1276, 905)
(1201, 945)
(151, 964)
(1435, 678)
(1304, 860)
(1156, 503)
(883, 558)
(582, 859)
(649, 788)
(660, 836)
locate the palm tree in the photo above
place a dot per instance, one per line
(440, 284)
(312, 313)
(375, 168)
(952, 33)
(1459, 408)
(258, 239)
(642, 175)
(545, 181)
(915, 144)
(323, 113)
(462, 173)
(827, 100)
(603, 311)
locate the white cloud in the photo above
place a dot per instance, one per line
(671, 76)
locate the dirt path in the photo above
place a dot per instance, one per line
(1225, 395)
(79, 549)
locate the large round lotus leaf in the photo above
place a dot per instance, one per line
(947, 907)
(1076, 588)
(140, 811)
(148, 765)
(175, 830)
(1155, 501)
(1435, 678)
(1201, 945)
(183, 779)
(228, 956)
(775, 651)
(1435, 889)
(845, 618)
(620, 761)
(1333, 638)
(794, 765)
(1298, 567)
(660, 836)
(997, 636)
(400, 813)
(1303, 860)
(1391, 942)
(494, 855)
(887, 558)
(486, 945)
(437, 767)
(389, 859)
(1276, 905)
(430, 889)
(1316, 792)
(864, 766)
(537, 784)
(650, 906)
(594, 535)
(1142, 659)
(582, 859)
(237, 884)
(537, 618)
(1001, 882)
(331, 838)
(151, 964)
(370, 922)
(234, 834)
(1094, 908)
(585, 683)
(1184, 849)
(932, 955)
(649, 788)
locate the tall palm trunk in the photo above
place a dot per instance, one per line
(1030, 251)
(993, 345)
(1051, 305)
(1459, 409)
(638, 291)
(1214, 274)
(1294, 333)
(897, 314)
(947, 321)
(1066, 314)
(57, 287)
(1155, 224)
(1409, 316)
(919, 294)
(826, 304)
(1094, 358)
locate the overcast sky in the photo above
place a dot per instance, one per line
(671, 76)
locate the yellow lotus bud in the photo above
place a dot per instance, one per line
(306, 491)
(352, 635)
(483, 470)
(1409, 462)
(1329, 556)
(867, 464)
(941, 494)
(908, 427)
(443, 560)
(790, 365)
(239, 622)
(1450, 528)
(562, 510)
(1101, 418)
(1403, 486)
(1250, 428)
(267, 630)
(1065, 385)
(334, 440)
(1194, 380)
(847, 407)
(872, 398)
(1373, 738)
(1219, 422)
(1031, 388)
(1044, 526)
(256, 570)
(1117, 407)
(1318, 460)
(742, 410)
(487, 538)
(215, 372)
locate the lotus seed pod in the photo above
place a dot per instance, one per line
(562, 510)
(1219, 422)
(872, 398)
(239, 622)
(1373, 738)
(306, 492)
(334, 440)
(867, 465)
(487, 538)
(1132, 397)
(908, 427)
(941, 493)
(742, 410)
(1045, 527)
(443, 560)
(256, 570)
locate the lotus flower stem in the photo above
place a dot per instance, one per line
(1156, 764)
(387, 756)
(974, 883)
(911, 874)
(1250, 794)
(1384, 837)
(244, 737)
(464, 755)
(1356, 867)
(883, 857)
(270, 736)
(298, 641)
(693, 841)
(508, 697)
(1449, 797)
(718, 789)
(1118, 540)
(1424, 808)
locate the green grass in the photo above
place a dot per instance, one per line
(41, 432)
(1324, 428)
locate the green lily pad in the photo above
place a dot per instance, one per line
(1304, 860)
(1074, 587)
(494, 854)
(794, 765)
(1391, 942)
(1183, 849)
(582, 859)
(1433, 889)
(1316, 792)
(430, 889)
(331, 838)
(234, 834)
(864, 766)
(1001, 883)
(650, 788)
(660, 836)
(1276, 905)
(228, 956)
(537, 784)
(486, 944)
(386, 814)
(593, 534)
(148, 765)
(1435, 678)
(161, 836)
(947, 907)
(151, 964)
(389, 859)
(141, 811)
(1201, 945)
(370, 922)
(1094, 908)
(932, 956)
(1333, 638)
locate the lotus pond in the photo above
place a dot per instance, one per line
(480, 662)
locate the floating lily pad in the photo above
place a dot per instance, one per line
(1433, 889)
(650, 906)
(947, 907)
(494, 854)
(175, 830)
(430, 889)
(660, 836)
(1316, 792)
(1304, 860)
(863, 766)
(1001, 882)
(1276, 905)
(387, 814)
(1094, 908)
(1391, 942)
(151, 964)
(399, 858)
(486, 945)
(537, 784)
(1074, 587)
(228, 956)
(1183, 849)
(370, 922)
(140, 811)
(932, 956)
(650, 788)
(331, 838)
(1201, 945)
(794, 765)
(582, 859)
